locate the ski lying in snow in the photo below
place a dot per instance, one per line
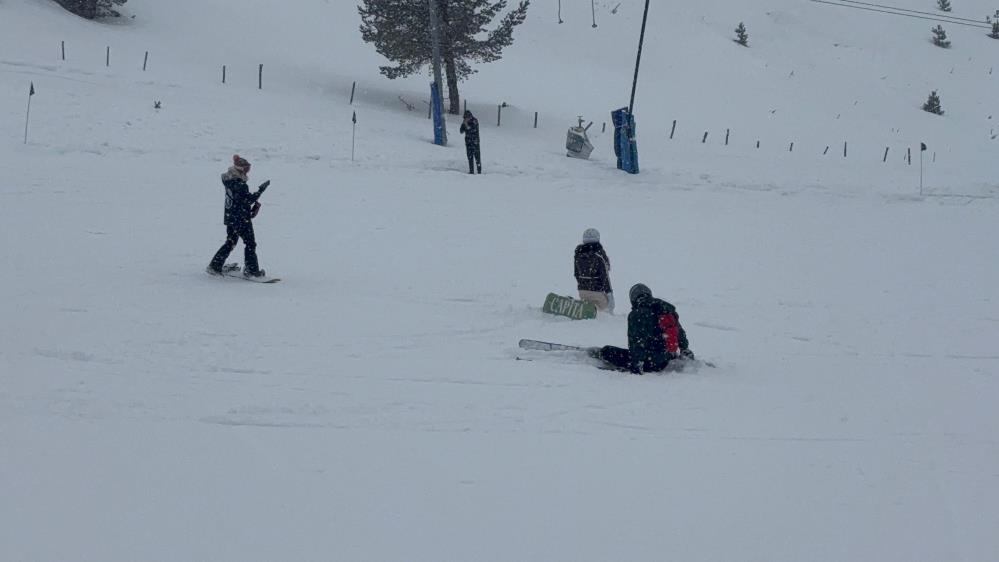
(536, 345)
(677, 365)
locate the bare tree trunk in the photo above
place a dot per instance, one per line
(447, 53)
(452, 84)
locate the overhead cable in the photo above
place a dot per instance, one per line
(893, 12)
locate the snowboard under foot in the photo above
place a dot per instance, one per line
(233, 270)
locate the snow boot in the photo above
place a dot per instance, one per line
(227, 268)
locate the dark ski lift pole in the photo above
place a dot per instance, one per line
(638, 60)
(625, 143)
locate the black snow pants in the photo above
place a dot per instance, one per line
(474, 157)
(234, 232)
(620, 359)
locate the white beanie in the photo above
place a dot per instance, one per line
(591, 235)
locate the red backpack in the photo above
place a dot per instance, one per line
(669, 323)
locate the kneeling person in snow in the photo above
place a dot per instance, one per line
(592, 270)
(240, 208)
(655, 336)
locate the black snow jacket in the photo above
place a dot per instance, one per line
(592, 268)
(238, 199)
(655, 335)
(470, 129)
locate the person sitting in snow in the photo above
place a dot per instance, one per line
(240, 208)
(470, 128)
(592, 270)
(655, 336)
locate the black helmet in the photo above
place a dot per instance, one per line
(467, 114)
(638, 291)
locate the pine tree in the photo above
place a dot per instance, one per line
(742, 37)
(105, 8)
(932, 104)
(400, 31)
(944, 5)
(940, 37)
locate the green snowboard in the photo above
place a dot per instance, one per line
(570, 307)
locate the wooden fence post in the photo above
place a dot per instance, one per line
(604, 129)
(844, 149)
(260, 77)
(107, 60)
(535, 119)
(499, 114)
(63, 50)
(885, 159)
(826, 151)
(791, 149)
(352, 89)
(726, 136)
(673, 130)
(908, 155)
(705, 139)
(223, 74)
(145, 60)
(757, 144)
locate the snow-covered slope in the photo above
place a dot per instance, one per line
(371, 405)
(815, 75)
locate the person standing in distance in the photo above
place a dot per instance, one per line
(470, 128)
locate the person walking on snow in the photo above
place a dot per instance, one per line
(592, 270)
(470, 128)
(655, 336)
(240, 208)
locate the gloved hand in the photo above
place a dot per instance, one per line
(264, 186)
(686, 353)
(254, 209)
